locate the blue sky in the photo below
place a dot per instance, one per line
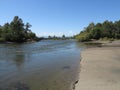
(58, 17)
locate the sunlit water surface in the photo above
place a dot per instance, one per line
(44, 65)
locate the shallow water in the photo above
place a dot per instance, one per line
(45, 65)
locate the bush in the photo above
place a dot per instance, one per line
(83, 37)
(107, 39)
(2, 40)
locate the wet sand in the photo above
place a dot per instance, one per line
(100, 69)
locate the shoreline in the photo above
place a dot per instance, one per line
(100, 68)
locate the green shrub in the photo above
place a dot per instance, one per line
(83, 37)
(2, 40)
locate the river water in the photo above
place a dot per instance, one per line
(44, 65)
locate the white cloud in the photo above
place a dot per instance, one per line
(68, 33)
(71, 33)
(50, 33)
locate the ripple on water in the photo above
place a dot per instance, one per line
(45, 65)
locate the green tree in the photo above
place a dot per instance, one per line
(49, 37)
(17, 31)
(17, 27)
(27, 26)
(63, 36)
(90, 27)
(116, 31)
(0, 31)
(107, 29)
(96, 33)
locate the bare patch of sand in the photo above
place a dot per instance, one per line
(100, 69)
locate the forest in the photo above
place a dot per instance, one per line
(107, 30)
(17, 31)
(63, 37)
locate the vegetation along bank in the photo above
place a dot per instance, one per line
(17, 31)
(107, 30)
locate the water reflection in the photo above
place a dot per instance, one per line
(19, 59)
(43, 65)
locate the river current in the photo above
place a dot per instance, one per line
(44, 65)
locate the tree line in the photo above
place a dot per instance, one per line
(106, 30)
(17, 31)
(63, 37)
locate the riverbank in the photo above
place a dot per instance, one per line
(100, 68)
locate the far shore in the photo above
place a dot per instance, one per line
(100, 67)
(8, 42)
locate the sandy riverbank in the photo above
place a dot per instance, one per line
(100, 69)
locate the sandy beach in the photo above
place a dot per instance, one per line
(100, 69)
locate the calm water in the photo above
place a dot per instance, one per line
(45, 65)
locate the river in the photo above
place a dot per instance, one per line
(44, 65)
